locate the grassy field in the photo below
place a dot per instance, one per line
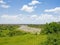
(12, 35)
(27, 39)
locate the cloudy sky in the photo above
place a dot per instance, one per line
(29, 11)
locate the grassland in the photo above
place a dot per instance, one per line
(27, 39)
(49, 35)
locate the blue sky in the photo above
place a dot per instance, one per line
(29, 11)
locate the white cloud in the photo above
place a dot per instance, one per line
(5, 6)
(8, 16)
(5, 16)
(29, 19)
(55, 10)
(30, 7)
(34, 16)
(2, 2)
(27, 8)
(45, 18)
(34, 2)
(10, 19)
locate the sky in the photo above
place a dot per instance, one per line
(29, 11)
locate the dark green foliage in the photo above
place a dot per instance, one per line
(52, 39)
(10, 30)
(37, 25)
(52, 30)
(15, 33)
(8, 27)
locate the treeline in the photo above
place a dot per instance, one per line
(10, 30)
(8, 27)
(52, 30)
(37, 25)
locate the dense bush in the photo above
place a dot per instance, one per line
(10, 30)
(37, 25)
(15, 33)
(52, 30)
(8, 27)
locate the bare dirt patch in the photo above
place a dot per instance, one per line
(30, 29)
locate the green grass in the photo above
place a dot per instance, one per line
(27, 39)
